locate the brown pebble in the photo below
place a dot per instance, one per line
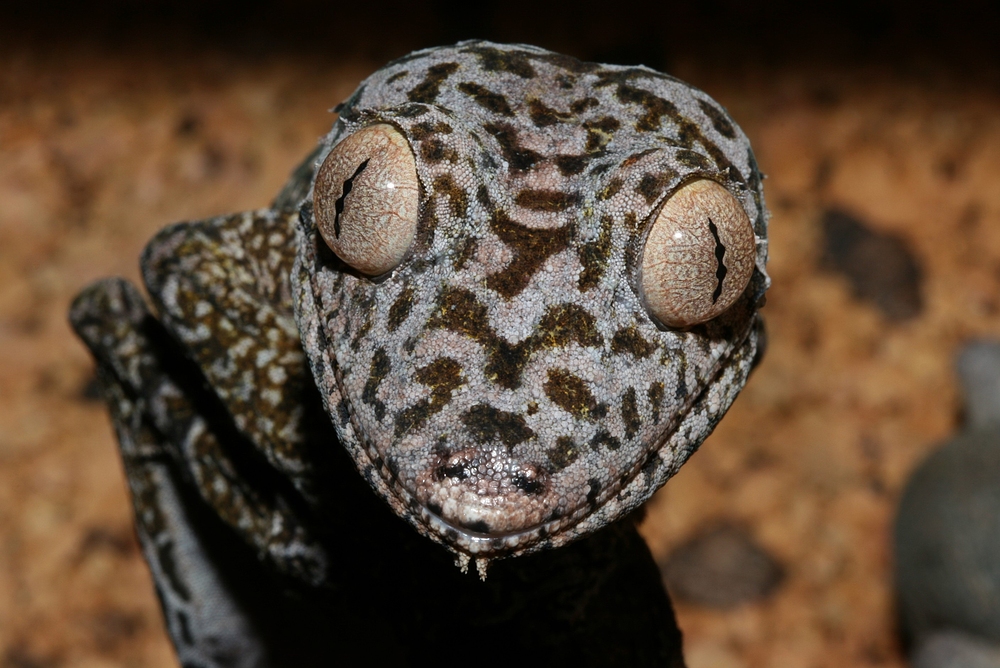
(720, 568)
(880, 267)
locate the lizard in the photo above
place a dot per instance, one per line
(518, 289)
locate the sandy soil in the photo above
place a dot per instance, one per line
(99, 150)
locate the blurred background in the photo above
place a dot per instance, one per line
(877, 124)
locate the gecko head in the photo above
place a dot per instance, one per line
(522, 331)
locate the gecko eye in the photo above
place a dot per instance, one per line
(366, 199)
(698, 256)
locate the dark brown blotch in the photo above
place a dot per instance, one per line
(547, 200)
(570, 393)
(543, 115)
(520, 158)
(681, 392)
(600, 131)
(651, 185)
(594, 256)
(655, 396)
(571, 165)
(435, 150)
(610, 190)
(604, 439)
(486, 423)
(507, 362)
(495, 60)
(631, 222)
(362, 332)
(479, 526)
(564, 453)
(343, 412)
(412, 110)
(628, 340)
(457, 199)
(630, 413)
(720, 120)
(566, 323)
(362, 298)
(379, 370)
(460, 311)
(464, 251)
(692, 159)
(656, 108)
(428, 222)
(483, 197)
(427, 90)
(443, 376)
(400, 308)
(422, 131)
(532, 247)
(583, 104)
(485, 98)
(487, 161)
(568, 63)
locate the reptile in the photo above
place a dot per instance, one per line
(517, 289)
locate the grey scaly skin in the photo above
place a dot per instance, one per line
(503, 389)
(511, 352)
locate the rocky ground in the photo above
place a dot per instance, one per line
(101, 146)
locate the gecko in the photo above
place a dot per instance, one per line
(518, 290)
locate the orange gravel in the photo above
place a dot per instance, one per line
(100, 150)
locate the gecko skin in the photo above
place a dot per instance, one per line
(504, 387)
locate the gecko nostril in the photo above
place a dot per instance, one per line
(530, 480)
(456, 471)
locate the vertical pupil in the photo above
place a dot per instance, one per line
(720, 252)
(348, 185)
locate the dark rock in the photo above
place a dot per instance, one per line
(951, 649)
(947, 540)
(721, 568)
(978, 367)
(880, 268)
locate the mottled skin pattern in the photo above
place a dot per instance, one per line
(503, 389)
